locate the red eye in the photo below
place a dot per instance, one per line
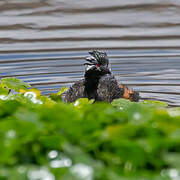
(97, 65)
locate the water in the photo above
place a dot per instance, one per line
(44, 42)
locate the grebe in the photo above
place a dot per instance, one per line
(99, 83)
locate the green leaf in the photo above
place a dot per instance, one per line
(172, 159)
(120, 103)
(62, 90)
(155, 103)
(14, 83)
(55, 97)
(3, 91)
(81, 102)
(123, 140)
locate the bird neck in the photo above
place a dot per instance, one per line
(92, 77)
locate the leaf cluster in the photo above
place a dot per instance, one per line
(43, 137)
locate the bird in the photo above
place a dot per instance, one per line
(98, 82)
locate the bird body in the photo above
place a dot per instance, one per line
(108, 88)
(98, 83)
(77, 90)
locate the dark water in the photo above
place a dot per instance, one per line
(44, 42)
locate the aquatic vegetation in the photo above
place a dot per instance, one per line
(44, 138)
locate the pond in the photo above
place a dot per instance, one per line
(44, 42)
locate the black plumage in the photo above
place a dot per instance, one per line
(98, 82)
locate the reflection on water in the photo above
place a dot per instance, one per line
(44, 42)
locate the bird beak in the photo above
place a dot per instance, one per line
(91, 60)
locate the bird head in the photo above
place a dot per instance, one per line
(97, 60)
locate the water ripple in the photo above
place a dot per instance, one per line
(45, 43)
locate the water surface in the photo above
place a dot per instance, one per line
(44, 42)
